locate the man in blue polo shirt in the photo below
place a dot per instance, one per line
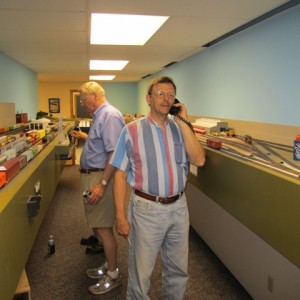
(96, 177)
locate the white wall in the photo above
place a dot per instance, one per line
(250, 259)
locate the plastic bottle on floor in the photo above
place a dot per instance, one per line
(51, 245)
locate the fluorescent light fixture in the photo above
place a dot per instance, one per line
(108, 64)
(102, 77)
(117, 29)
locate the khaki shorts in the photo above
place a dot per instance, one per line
(101, 214)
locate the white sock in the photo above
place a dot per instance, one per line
(114, 274)
(105, 265)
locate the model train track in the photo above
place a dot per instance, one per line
(278, 158)
(259, 152)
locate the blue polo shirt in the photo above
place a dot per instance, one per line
(103, 136)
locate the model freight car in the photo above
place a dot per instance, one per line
(214, 143)
(9, 169)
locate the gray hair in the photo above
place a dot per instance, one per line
(92, 87)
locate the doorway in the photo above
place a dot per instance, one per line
(77, 111)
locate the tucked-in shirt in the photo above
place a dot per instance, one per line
(103, 136)
(154, 157)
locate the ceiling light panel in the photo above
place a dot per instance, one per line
(108, 64)
(102, 77)
(116, 29)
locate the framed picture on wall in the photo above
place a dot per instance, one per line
(54, 105)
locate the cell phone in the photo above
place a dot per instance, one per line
(174, 110)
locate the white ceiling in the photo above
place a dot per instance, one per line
(51, 37)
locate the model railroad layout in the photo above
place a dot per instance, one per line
(266, 154)
(216, 134)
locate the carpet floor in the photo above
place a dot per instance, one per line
(61, 276)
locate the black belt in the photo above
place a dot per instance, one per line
(163, 200)
(88, 171)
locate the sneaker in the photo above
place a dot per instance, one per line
(105, 284)
(96, 273)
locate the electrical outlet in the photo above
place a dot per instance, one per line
(33, 205)
(270, 284)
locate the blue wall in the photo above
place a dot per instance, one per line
(252, 76)
(18, 84)
(122, 95)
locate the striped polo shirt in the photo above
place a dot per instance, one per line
(154, 157)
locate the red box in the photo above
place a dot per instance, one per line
(21, 118)
(11, 168)
(214, 143)
(2, 179)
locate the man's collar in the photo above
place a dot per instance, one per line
(151, 120)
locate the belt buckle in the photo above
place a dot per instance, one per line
(156, 199)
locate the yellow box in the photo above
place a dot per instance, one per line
(42, 133)
(23, 287)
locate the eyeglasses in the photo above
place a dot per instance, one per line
(162, 95)
(83, 99)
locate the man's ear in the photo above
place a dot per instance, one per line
(148, 98)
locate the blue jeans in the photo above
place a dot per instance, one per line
(157, 227)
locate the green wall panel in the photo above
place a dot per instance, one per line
(265, 201)
(17, 231)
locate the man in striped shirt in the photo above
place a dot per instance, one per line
(152, 156)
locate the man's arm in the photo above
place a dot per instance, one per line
(120, 192)
(194, 149)
(98, 190)
(79, 135)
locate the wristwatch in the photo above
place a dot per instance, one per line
(104, 182)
